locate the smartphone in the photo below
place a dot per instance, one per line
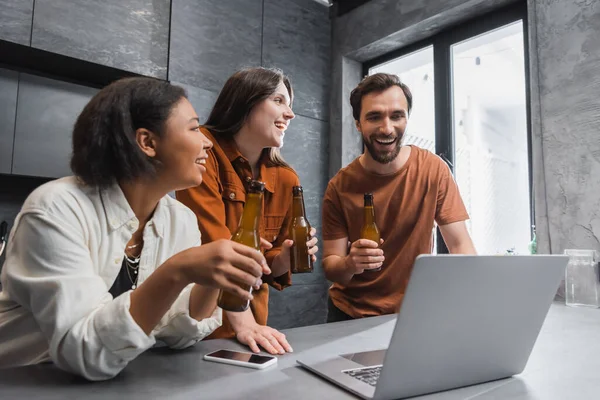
(249, 360)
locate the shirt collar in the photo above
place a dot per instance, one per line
(268, 173)
(119, 212)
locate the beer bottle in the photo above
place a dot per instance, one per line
(247, 234)
(300, 260)
(369, 229)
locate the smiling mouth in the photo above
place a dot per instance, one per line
(385, 142)
(281, 126)
(200, 161)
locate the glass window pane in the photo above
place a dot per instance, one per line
(490, 132)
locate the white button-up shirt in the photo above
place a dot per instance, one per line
(65, 251)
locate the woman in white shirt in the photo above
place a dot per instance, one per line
(101, 265)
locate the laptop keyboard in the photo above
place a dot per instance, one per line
(368, 375)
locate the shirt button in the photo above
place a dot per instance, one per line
(232, 196)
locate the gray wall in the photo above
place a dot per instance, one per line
(15, 20)
(565, 70)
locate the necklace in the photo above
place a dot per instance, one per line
(132, 266)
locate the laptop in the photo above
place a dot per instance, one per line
(464, 320)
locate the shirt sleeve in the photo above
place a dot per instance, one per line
(50, 273)
(450, 207)
(177, 329)
(333, 221)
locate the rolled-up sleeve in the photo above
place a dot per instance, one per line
(178, 330)
(51, 274)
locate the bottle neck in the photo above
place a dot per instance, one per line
(252, 211)
(298, 206)
(369, 213)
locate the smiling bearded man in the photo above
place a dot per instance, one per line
(413, 189)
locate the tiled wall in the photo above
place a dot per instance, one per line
(565, 71)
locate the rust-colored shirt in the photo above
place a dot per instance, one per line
(406, 203)
(219, 202)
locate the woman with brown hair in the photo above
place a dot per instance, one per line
(247, 126)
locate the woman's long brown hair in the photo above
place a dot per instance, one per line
(242, 91)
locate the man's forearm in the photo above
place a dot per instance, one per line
(336, 269)
(465, 247)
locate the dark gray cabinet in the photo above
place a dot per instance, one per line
(297, 39)
(131, 35)
(46, 112)
(15, 20)
(9, 84)
(210, 39)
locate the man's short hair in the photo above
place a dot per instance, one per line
(376, 83)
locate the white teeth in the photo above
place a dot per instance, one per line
(200, 161)
(385, 141)
(280, 125)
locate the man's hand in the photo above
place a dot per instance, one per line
(364, 255)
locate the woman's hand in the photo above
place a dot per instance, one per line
(282, 261)
(223, 264)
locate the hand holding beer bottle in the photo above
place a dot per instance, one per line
(300, 258)
(246, 234)
(365, 254)
(369, 229)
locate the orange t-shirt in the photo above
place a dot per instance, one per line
(219, 202)
(406, 203)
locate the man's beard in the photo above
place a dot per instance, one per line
(383, 157)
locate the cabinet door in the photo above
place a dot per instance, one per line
(131, 35)
(210, 39)
(15, 21)
(46, 112)
(9, 84)
(304, 55)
